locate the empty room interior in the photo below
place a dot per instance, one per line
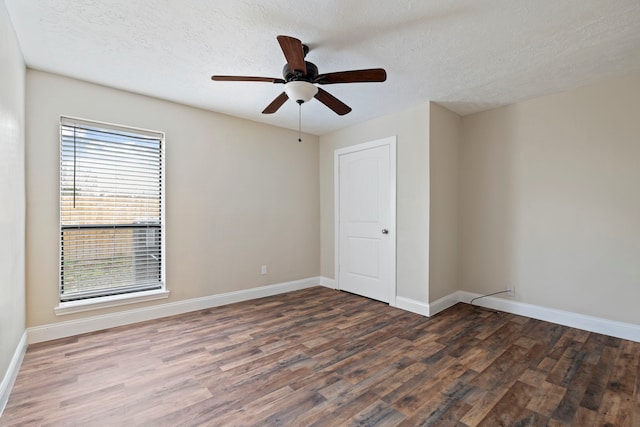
(328, 213)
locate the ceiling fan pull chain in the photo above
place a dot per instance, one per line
(299, 121)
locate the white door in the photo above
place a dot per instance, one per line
(365, 214)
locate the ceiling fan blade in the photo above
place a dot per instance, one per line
(332, 102)
(294, 53)
(246, 79)
(353, 76)
(275, 104)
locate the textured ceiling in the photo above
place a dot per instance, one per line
(468, 55)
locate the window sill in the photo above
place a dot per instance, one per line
(110, 301)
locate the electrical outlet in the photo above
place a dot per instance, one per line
(263, 270)
(511, 291)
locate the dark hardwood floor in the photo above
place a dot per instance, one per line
(322, 357)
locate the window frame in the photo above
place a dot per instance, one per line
(132, 296)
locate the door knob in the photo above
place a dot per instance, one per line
(385, 231)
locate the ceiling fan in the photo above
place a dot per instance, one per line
(300, 79)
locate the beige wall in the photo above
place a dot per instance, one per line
(444, 144)
(239, 194)
(12, 193)
(550, 200)
(411, 127)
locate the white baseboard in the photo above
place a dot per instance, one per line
(95, 323)
(443, 303)
(412, 305)
(425, 309)
(12, 371)
(327, 282)
(613, 328)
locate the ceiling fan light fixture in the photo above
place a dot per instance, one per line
(300, 91)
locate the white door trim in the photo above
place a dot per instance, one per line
(391, 142)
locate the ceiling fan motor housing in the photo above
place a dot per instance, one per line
(289, 75)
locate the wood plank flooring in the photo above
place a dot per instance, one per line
(325, 358)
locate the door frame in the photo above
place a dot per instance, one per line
(391, 142)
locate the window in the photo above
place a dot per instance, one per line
(111, 210)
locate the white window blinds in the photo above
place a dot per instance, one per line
(111, 210)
